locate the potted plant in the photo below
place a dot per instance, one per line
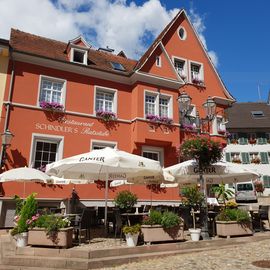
(24, 211)
(236, 160)
(132, 234)
(125, 200)
(165, 226)
(252, 141)
(223, 193)
(193, 200)
(189, 127)
(234, 141)
(50, 230)
(256, 160)
(232, 222)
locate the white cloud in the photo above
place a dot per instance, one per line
(116, 24)
(198, 23)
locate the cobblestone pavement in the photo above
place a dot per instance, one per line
(233, 258)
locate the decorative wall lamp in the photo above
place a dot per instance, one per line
(184, 101)
(6, 137)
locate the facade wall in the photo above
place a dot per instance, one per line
(78, 129)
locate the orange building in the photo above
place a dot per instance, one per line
(84, 82)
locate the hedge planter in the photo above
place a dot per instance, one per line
(39, 237)
(156, 233)
(233, 228)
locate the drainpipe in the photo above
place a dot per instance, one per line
(8, 104)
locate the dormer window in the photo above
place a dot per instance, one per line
(79, 56)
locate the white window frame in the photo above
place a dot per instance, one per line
(46, 138)
(156, 150)
(185, 33)
(158, 61)
(53, 79)
(201, 72)
(108, 90)
(157, 96)
(81, 50)
(176, 58)
(102, 143)
(216, 124)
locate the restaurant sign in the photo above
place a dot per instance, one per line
(73, 127)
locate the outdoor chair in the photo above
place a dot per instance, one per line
(264, 215)
(82, 223)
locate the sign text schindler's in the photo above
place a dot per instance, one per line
(74, 127)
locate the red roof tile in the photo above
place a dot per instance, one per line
(53, 49)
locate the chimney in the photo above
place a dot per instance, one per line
(268, 101)
(107, 50)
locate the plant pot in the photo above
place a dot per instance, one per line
(233, 228)
(132, 239)
(39, 237)
(156, 233)
(21, 239)
(195, 234)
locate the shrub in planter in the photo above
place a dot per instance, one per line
(24, 210)
(125, 200)
(132, 229)
(233, 214)
(162, 227)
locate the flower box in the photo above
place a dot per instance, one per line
(236, 160)
(198, 81)
(106, 116)
(233, 228)
(252, 141)
(52, 106)
(188, 127)
(256, 160)
(156, 233)
(159, 119)
(222, 132)
(39, 237)
(234, 141)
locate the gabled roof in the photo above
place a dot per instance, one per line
(161, 36)
(52, 49)
(240, 115)
(78, 39)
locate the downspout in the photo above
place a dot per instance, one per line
(8, 103)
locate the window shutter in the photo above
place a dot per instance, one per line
(266, 181)
(228, 157)
(245, 158)
(264, 158)
(243, 140)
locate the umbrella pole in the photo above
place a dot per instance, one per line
(106, 204)
(204, 209)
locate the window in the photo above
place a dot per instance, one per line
(196, 73)
(158, 61)
(180, 68)
(257, 114)
(182, 33)
(45, 152)
(105, 100)
(96, 145)
(117, 66)
(220, 126)
(158, 104)
(52, 90)
(155, 153)
(79, 56)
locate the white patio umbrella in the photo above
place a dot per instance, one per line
(187, 172)
(107, 164)
(24, 174)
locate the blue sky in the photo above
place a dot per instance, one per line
(236, 33)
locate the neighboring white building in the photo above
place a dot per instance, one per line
(249, 142)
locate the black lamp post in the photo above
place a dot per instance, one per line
(210, 109)
(6, 137)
